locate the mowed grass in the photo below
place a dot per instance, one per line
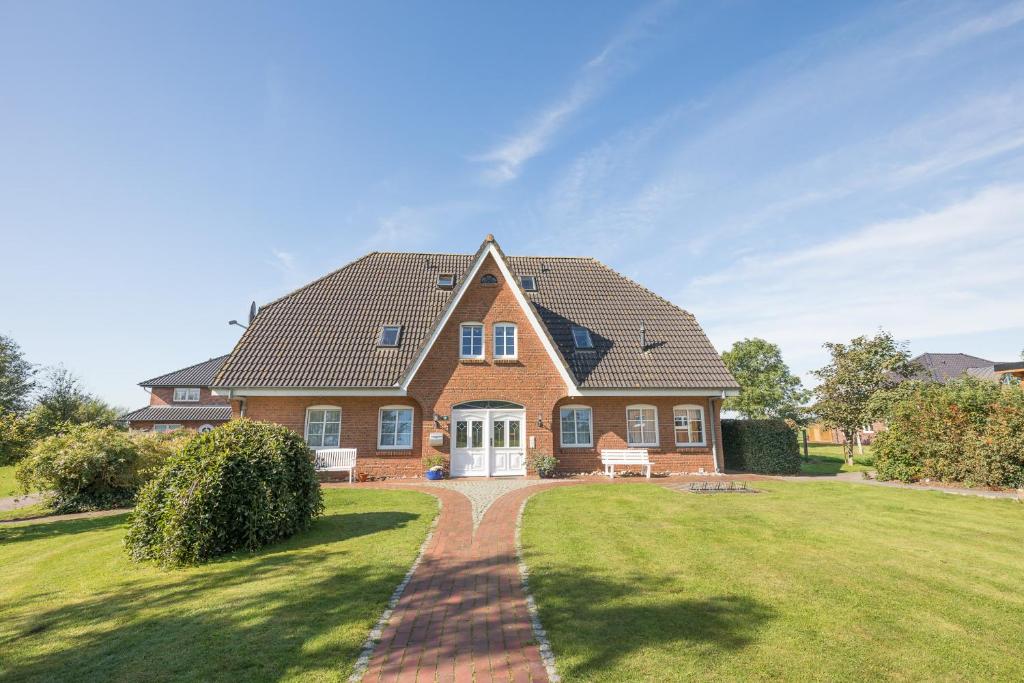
(830, 459)
(73, 607)
(805, 581)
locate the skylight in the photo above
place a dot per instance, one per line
(529, 283)
(581, 336)
(445, 281)
(390, 335)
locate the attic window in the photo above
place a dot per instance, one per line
(489, 279)
(529, 283)
(390, 335)
(581, 336)
(445, 281)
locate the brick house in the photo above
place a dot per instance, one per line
(483, 359)
(182, 400)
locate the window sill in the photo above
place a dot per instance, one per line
(473, 361)
(507, 361)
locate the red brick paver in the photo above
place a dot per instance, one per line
(463, 615)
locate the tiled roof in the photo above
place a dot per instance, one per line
(324, 335)
(198, 375)
(179, 414)
(942, 367)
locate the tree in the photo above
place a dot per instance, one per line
(767, 389)
(62, 400)
(858, 371)
(16, 377)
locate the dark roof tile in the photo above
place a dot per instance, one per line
(324, 335)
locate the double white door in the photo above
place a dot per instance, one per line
(488, 443)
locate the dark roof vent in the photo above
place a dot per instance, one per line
(643, 337)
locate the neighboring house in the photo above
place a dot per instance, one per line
(1010, 373)
(818, 433)
(483, 359)
(182, 400)
(943, 367)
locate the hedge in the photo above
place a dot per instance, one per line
(763, 446)
(239, 486)
(969, 431)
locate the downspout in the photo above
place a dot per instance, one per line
(714, 436)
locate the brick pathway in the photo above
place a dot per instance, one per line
(463, 615)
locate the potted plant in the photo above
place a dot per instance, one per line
(435, 467)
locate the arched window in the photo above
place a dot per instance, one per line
(205, 428)
(576, 426)
(688, 423)
(505, 341)
(394, 428)
(488, 279)
(323, 427)
(642, 425)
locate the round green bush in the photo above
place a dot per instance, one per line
(237, 487)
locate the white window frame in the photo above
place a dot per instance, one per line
(483, 340)
(380, 428)
(703, 425)
(561, 432)
(305, 430)
(645, 444)
(398, 338)
(175, 398)
(204, 428)
(515, 341)
(449, 278)
(575, 339)
(164, 428)
(532, 279)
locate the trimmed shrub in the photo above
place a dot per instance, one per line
(763, 446)
(544, 464)
(968, 431)
(86, 467)
(239, 486)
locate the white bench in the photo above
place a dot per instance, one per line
(625, 456)
(337, 460)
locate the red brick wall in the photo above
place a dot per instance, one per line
(359, 416)
(444, 380)
(609, 431)
(164, 396)
(531, 380)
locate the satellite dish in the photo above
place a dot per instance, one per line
(252, 312)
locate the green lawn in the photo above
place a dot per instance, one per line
(8, 486)
(806, 581)
(73, 607)
(830, 459)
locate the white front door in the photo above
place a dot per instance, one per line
(469, 445)
(508, 456)
(488, 442)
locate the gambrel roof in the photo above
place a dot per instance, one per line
(324, 335)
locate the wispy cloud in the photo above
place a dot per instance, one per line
(952, 270)
(505, 162)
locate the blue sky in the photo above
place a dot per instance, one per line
(801, 171)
